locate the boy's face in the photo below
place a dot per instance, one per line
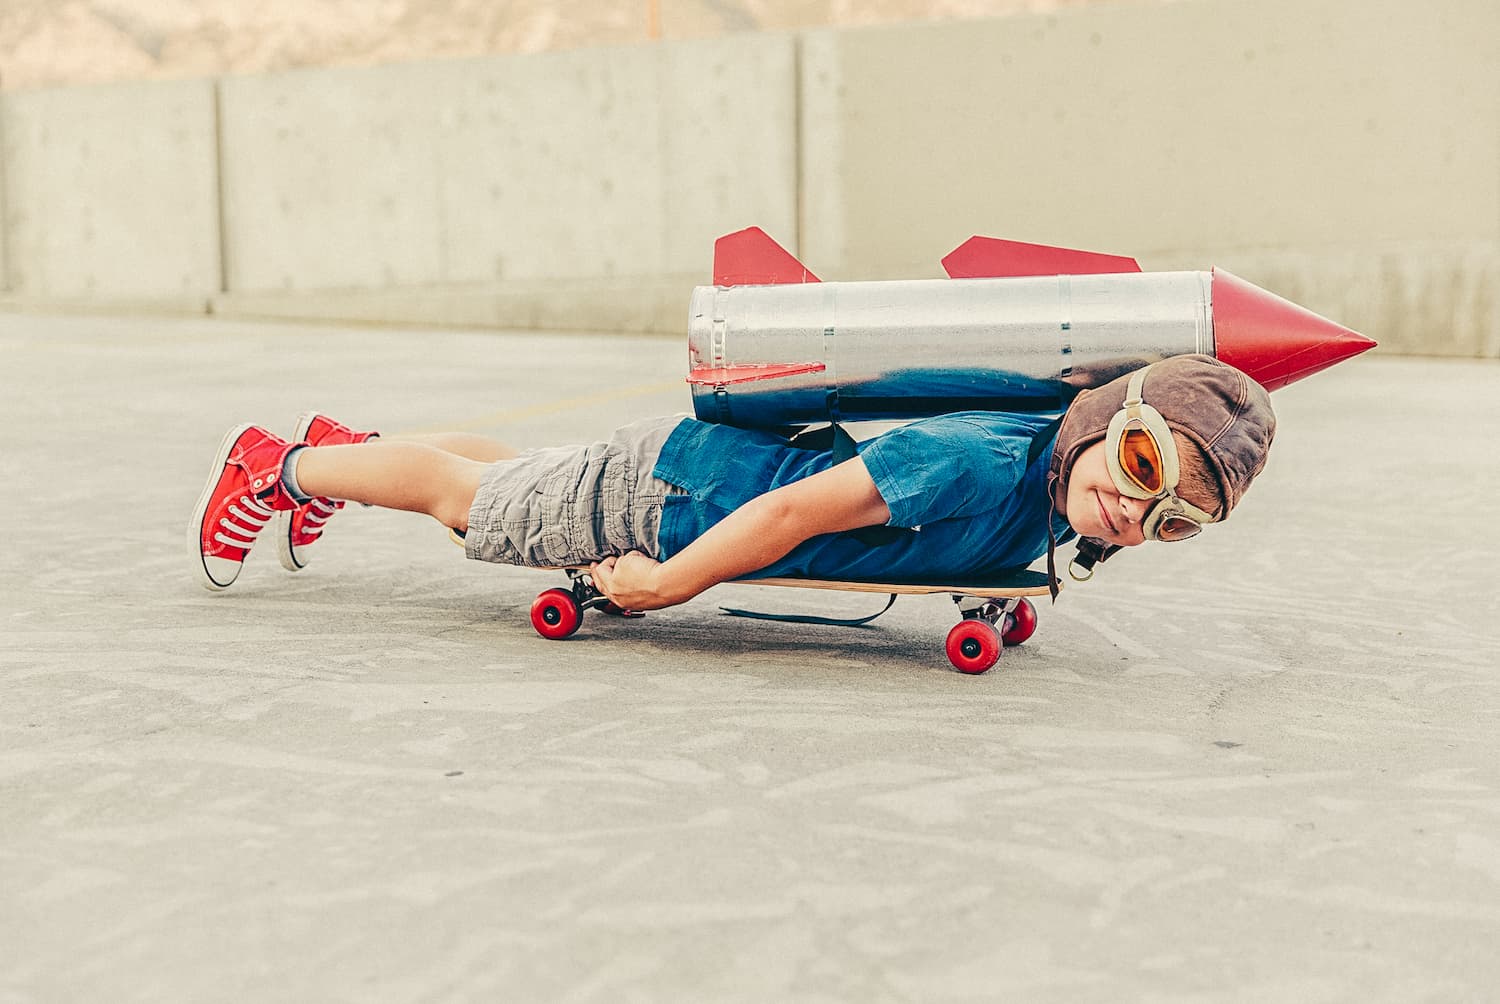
(1095, 507)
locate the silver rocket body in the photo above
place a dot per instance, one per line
(855, 351)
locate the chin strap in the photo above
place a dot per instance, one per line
(1039, 443)
(1052, 580)
(1091, 551)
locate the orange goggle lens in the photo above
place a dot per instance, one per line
(1140, 459)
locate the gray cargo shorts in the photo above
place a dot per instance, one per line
(570, 505)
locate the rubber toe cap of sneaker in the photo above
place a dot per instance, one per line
(220, 573)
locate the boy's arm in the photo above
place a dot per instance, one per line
(753, 536)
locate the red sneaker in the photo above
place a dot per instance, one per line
(297, 530)
(243, 493)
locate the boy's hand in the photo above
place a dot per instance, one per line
(630, 581)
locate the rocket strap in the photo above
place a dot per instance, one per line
(810, 618)
(1042, 440)
(836, 438)
(832, 437)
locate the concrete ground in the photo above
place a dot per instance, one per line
(1259, 767)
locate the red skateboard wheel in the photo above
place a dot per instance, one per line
(1020, 623)
(555, 614)
(973, 646)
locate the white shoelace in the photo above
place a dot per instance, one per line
(246, 523)
(315, 515)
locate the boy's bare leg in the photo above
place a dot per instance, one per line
(464, 444)
(398, 474)
(298, 530)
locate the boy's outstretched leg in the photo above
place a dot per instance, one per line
(299, 529)
(394, 474)
(244, 491)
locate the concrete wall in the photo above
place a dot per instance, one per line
(111, 192)
(1345, 153)
(624, 162)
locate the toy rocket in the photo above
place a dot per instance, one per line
(1017, 327)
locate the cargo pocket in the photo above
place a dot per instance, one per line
(612, 516)
(553, 538)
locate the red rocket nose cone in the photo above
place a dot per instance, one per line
(1273, 340)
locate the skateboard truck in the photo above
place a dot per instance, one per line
(974, 644)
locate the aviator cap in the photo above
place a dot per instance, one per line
(1215, 406)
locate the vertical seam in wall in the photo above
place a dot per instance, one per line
(219, 189)
(799, 143)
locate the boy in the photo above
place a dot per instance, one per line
(668, 507)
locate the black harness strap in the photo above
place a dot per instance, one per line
(836, 438)
(810, 618)
(826, 437)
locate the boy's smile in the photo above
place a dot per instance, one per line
(1095, 507)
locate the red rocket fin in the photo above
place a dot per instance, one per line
(750, 257)
(992, 258)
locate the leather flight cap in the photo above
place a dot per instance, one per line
(1217, 407)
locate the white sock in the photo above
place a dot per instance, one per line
(289, 476)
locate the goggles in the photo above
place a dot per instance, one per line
(1142, 460)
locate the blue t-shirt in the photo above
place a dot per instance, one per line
(960, 482)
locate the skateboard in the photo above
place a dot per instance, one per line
(991, 615)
